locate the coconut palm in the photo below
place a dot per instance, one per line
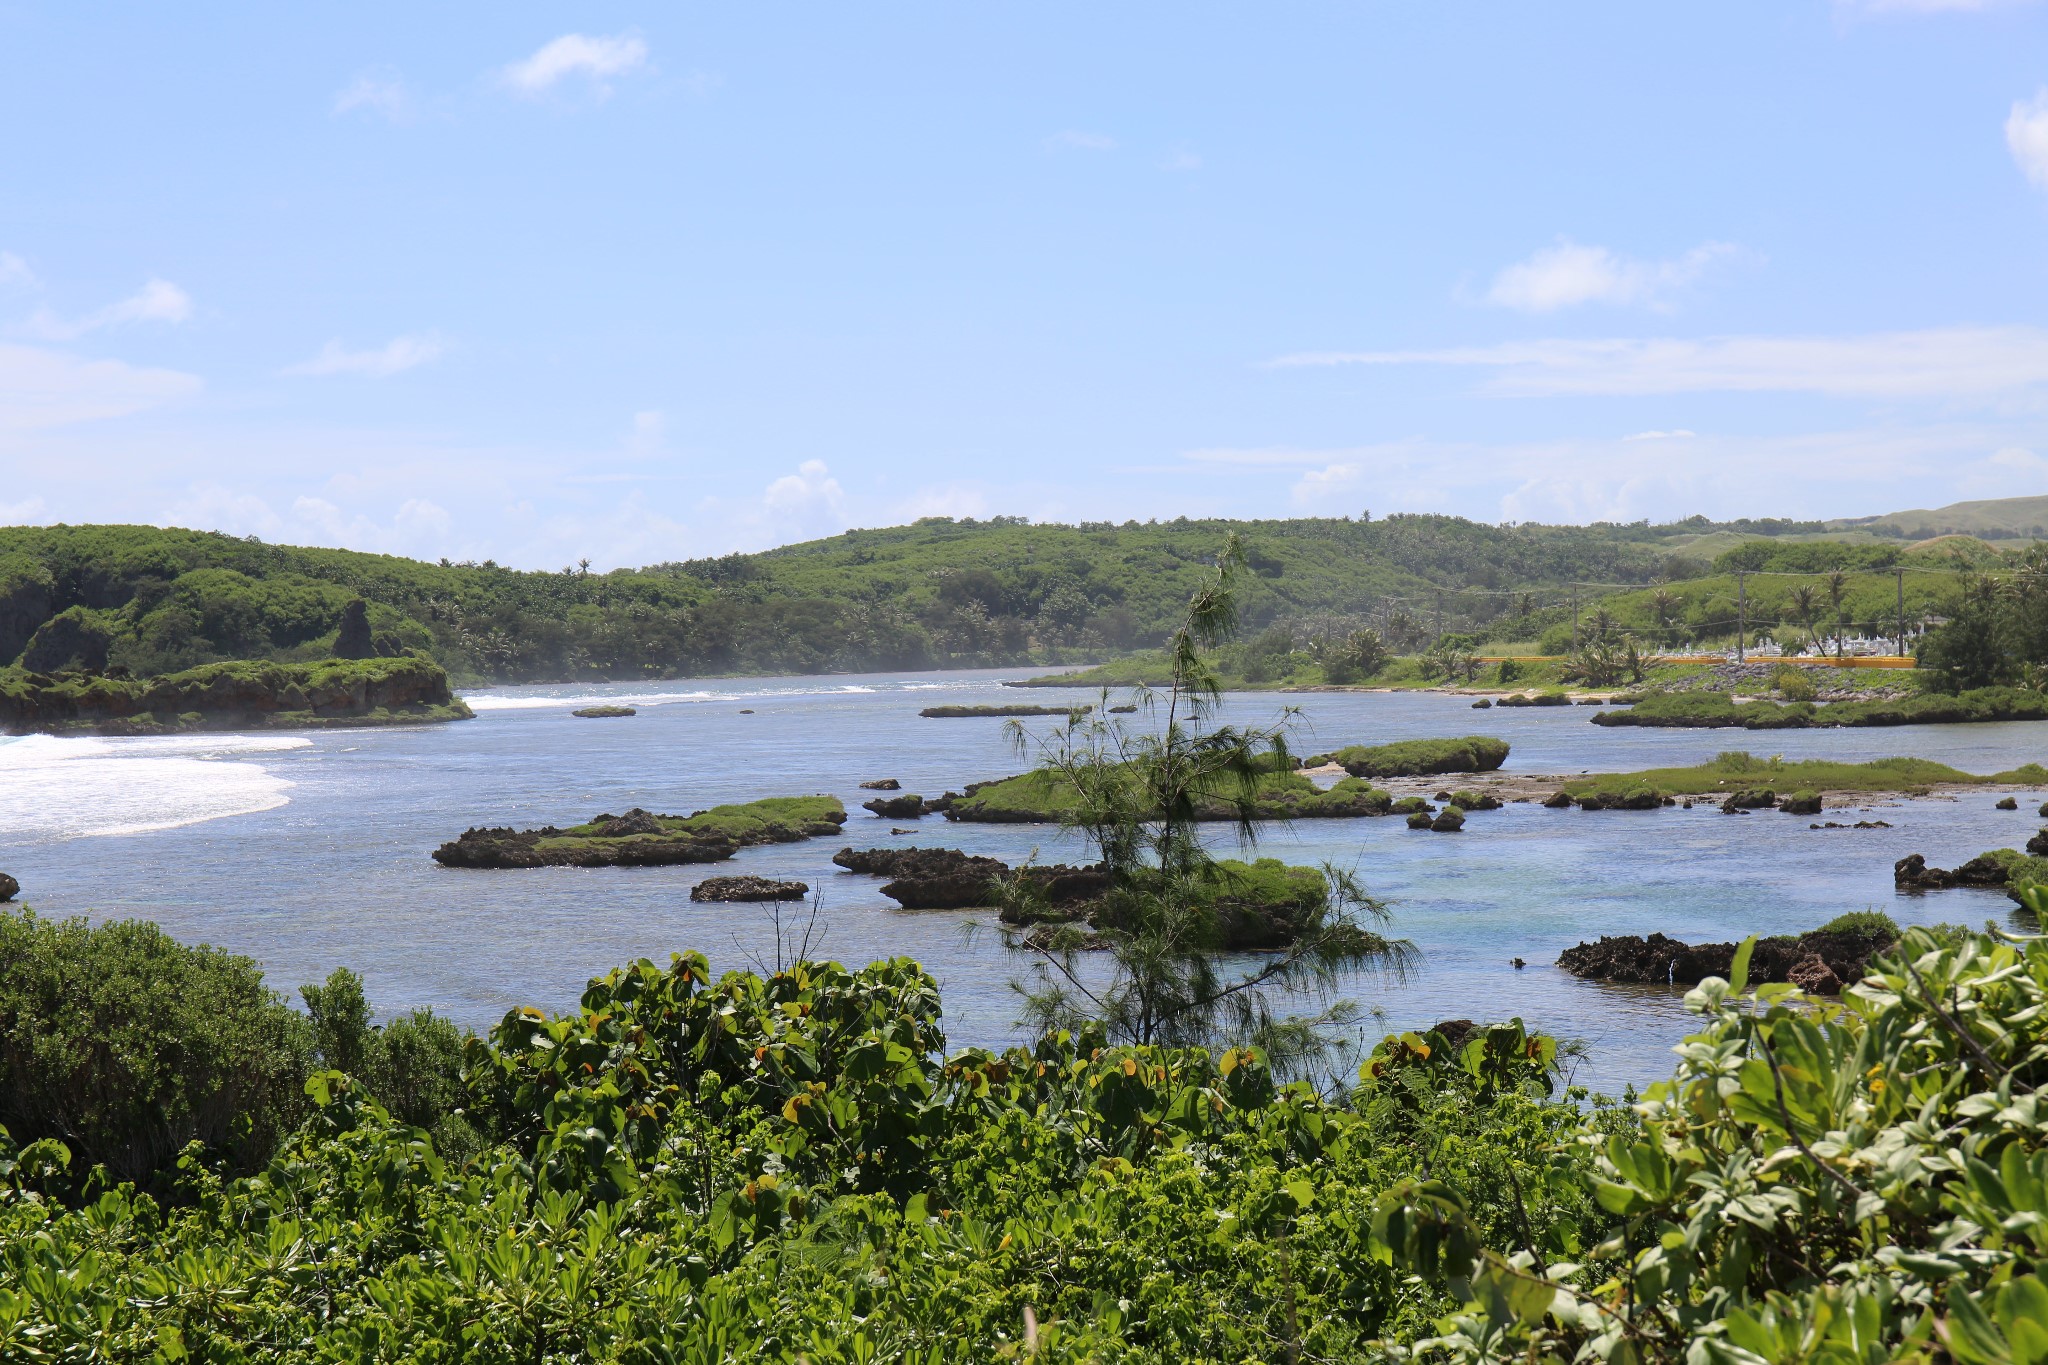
(1805, 604)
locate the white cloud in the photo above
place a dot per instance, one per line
(1075, 140)
(2026, 134)
(29, 513)
(806, 504)
(399, 353)
(577, 54)
(156, 301)
(952, 500)
(1182, 161)
(379, 92)
(1676, 434)
(41, 388)
(1940, 362)
(1568, 274)
(1827, 473)
(14, 270)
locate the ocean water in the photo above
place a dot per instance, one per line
(310, 851)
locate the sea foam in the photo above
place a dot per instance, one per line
(72, 788)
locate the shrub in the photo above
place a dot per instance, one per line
(1862, 924)
(128, 1045)
(1793, 683)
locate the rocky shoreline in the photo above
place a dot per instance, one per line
(1819, 963)
(231, 696)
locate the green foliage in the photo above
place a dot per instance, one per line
(1862, 1181)
(127, 1045)
(1419, 757)
(246, 694)
(770, 820)
(1710, 710)
(1736, 770)
(1863, 924)
(784, 1169)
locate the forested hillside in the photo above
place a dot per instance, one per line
(145, 601)
(142, 601)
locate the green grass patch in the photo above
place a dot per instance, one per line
(1041, 797)
(1737, 771)
(1419, 757)
(1711, 710)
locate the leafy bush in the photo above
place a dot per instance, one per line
(1793, 683)
(128, 1045)
(1862, 924)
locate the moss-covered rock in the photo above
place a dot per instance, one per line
(1042, 797)
(1419, 757)
(641, 839)
(1801, 803)
(604, 712)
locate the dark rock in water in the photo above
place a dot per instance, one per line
(2043, 812)
(748, 889)
(1471, 801)
(1801, 803)
(1592, 701)
(746, 710)
(1411, 805)
(1557, 801)
(1814, 976)
(1537, 699)
(1455, 1031)
(1123, 710)
(908, 806)
(507, 848)
(1483, 704)
(1636, 798)
(2038, 846)
(1860, 824)
(881, 784)
(1420, 820)
(1752, 798)
(9, 888)
(634, 821)
(1443, 796)
(947, 879)
(1449, 822)
(1825, 959)
(2008, 803)
(602, 712)
(1913, 873)
(353, 640)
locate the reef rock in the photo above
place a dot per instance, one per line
(9, 888)
(881, 784)
(2007, 803)
(908, 806)
(1824, 959)
(1801, 803)
(603, 712)
(748, 889)
(1753, 798)
(1449, 822)
(1913, 873)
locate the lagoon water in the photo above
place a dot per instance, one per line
(310, 851)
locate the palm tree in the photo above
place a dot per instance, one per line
(1838, 587)
(1663, 604)
(1805, 605)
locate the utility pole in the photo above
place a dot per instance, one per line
(1900, 574)
(1741, 616)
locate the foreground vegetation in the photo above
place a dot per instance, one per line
(784, 1168)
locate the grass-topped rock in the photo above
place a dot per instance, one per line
(641, 839)
(1754, 782)
(603, 712)
(1418, 757)
(1022, 709)
(1258, 906)
(1711, 710)
(241, 695)
(1047, 797)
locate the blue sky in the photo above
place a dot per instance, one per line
(644, 282)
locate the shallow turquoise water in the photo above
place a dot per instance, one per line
(310, 851)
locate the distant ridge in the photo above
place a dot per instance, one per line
(1989, 518)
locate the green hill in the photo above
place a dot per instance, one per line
(1991, 519)
(141, 601)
